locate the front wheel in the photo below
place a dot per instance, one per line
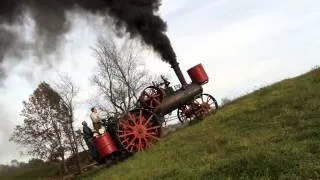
(207, 105)
(185, 114)
(202, 105)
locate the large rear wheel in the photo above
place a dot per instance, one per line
(138, 130)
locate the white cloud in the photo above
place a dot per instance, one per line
(250, 50)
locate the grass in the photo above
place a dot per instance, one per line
(43, 171)
(272, 133)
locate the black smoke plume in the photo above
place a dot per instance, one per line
(137, 16)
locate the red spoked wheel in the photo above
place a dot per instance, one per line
(205, 104)
(151, 97)
(200, 107)
(138, 130)
(185, 114)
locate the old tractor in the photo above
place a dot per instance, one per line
(141, 127)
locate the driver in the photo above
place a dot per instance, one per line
(96, 119)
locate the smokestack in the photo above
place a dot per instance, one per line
(137, 16)
(177, 70)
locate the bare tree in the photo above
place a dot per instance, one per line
(68, 92)
(121, 75)
(99, 101)
(79, 138)
(41, 132)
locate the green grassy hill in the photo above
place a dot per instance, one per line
(272, 133)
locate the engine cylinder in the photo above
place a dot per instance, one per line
(179, 98)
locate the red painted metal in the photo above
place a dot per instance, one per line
(105, 144)
(206, 104)
(198, 75)
(201, 106)
(185, 114)
(151, 97)
(138, 130)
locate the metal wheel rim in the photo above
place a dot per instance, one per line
(138, 130)
(151, 97)
(182, 116)
(207, 103)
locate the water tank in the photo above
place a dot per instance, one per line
(105, 144)
(198, 75)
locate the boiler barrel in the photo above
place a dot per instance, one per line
(178, 99)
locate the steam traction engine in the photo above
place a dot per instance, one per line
(141, 127)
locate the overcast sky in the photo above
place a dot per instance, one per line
(243, 45)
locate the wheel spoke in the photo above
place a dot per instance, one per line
(125, 135)
(124, 131)
(147, 142)
(157, 101)
(155, 127)
(132, 119)
(131, 142)
(152, 133)
(126, 126)
(140, 145)
(153, 137)
(148, 120)
(140, 117)
(131, 148)
(126, 140)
